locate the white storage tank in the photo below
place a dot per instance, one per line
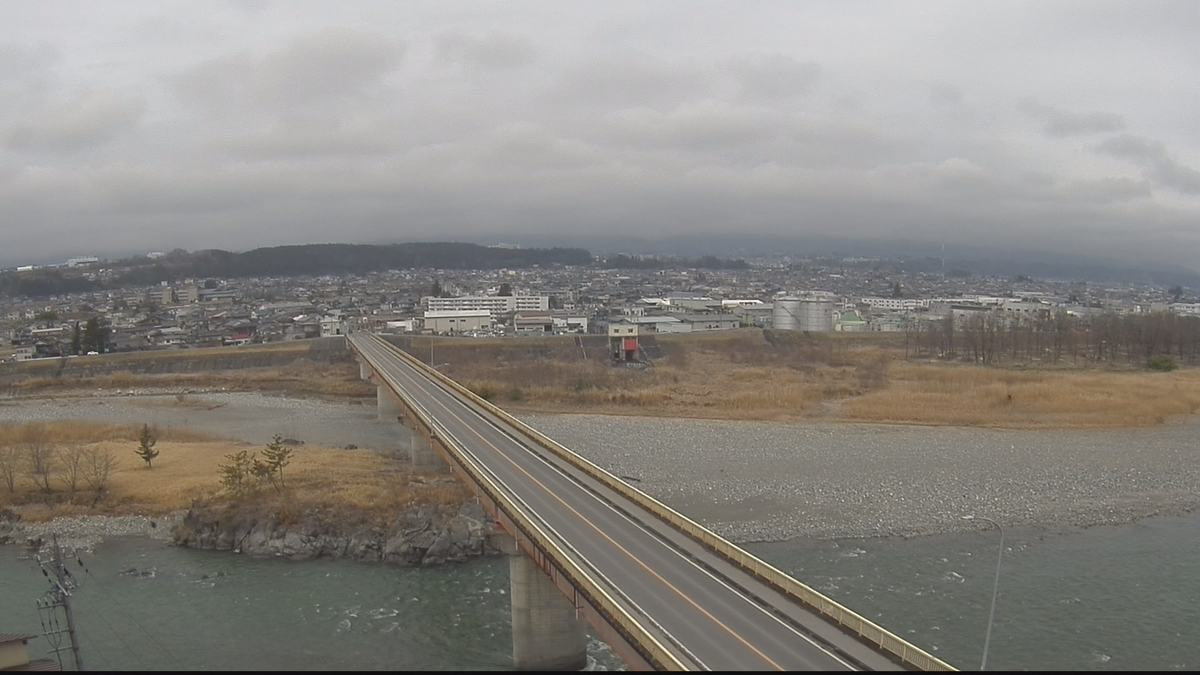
(785, 314)
(810, 313)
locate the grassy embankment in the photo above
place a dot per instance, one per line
(737, 375)
(232, 368)
(859, 378)
(365, 483)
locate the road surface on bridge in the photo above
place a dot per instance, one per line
(710, 614)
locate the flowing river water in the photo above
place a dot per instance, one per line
(1122, 596)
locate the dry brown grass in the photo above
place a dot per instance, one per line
(296, 347)
(63, 432)
(187, 469)
(726, 376)
(967, 395)
(862, 379)
(743, 375)
(340, 379)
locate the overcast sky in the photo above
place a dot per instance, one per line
(132, 126)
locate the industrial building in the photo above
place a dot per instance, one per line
(458, 321)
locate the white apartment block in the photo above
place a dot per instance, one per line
(496, 305)
(983, 300)
(896, 304)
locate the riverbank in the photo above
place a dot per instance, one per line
(729, 375)
(766, 481)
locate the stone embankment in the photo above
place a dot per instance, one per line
(423, 535)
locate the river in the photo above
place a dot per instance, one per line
(1100, 597)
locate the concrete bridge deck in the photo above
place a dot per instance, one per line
(661, 590)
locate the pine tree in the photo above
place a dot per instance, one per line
(277, 456)
(235, 475)
(146, 449)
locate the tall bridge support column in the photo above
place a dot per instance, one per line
(422, 454)
(364, 371)
(548, 632)
(420, 450)
(389, 409)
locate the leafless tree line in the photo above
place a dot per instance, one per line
(32, 457)
(990, 337)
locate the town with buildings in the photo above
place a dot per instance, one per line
(815, 295)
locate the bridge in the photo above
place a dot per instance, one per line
(585, 548)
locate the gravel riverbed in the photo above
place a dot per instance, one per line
(768, 481)
(756, 481)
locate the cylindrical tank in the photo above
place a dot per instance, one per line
(785, 314)
(803, 313)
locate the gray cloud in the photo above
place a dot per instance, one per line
(66, 126)
(311, 70)
(237, 124)
(19, 62)
(773, 76)
(1161, 166)
(632, 78)
(945, 94)
(490, 52)
(1065, 123)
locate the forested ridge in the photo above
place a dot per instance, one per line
(323, 259)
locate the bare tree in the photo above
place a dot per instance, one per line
(97, 467)
(11, 460)
(72, 459)
(40, 456)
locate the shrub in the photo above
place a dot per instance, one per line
(1163, 363)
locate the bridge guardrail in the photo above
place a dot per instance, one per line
(903, 650)
(587, 586)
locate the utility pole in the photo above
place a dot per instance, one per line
(60, 595)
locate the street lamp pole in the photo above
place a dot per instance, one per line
(995, 588)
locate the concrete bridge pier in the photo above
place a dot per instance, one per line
(548, 632)
(422, 454)
(364, 371)
(388, 408)
(420, 450)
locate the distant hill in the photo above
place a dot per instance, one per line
(334, 259)
(911, 255)
(327, 259)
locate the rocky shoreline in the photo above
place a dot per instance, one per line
(421, 536)
(82, 533)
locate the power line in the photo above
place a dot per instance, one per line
(131, 618)
(129, 649)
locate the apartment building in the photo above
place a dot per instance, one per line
(496, 305)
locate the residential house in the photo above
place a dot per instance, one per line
(332, 325)
(14, 655)
(533, 323)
